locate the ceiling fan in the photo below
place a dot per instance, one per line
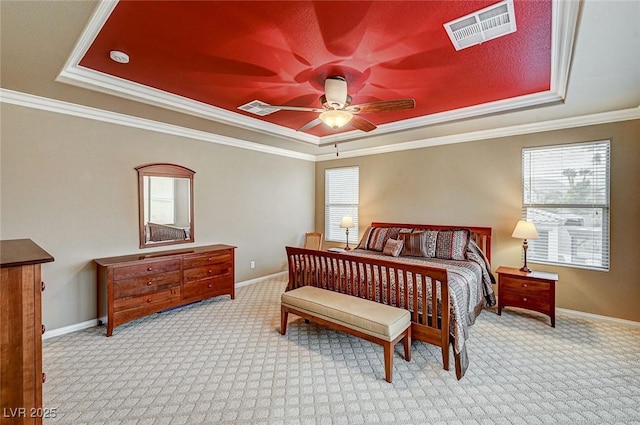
(337, 110)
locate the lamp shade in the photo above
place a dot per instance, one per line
(525, 230)
(347, 222)
(335, 118)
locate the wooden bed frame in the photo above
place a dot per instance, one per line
(326, 270)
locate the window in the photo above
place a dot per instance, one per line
(341, 186)
(566, 194)
(159, 194)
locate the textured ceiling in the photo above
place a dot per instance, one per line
(226, 54)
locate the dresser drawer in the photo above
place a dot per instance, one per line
(538, 301)
(145, 284)
(204, 272)
(208, 258)
(207, 288)
(145, 269)
(523, 285)
(155, 301)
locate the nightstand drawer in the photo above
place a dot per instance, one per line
(536, 302)
(524, 285)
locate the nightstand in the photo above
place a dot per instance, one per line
(532, 291)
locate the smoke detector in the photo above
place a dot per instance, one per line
(118, 56)
(484, 25)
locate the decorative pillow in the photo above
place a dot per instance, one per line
(414, 244)
(432, 237)
(378, 238)
(374, 238)
(419, 243)
(393, 247)
(365, 239)
(452, 244)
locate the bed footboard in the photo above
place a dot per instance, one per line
(421, 289)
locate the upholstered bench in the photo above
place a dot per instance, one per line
(379, 323)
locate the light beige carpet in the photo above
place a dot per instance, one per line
(224, 362)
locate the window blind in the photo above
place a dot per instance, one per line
(566, 195)
(341, 199)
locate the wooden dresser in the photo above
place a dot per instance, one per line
(21, 330)
(133, 286)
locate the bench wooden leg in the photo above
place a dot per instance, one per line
(388, 360)
(284, 316)
(407, 345)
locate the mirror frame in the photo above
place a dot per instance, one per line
(163, 170)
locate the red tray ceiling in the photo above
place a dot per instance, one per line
(227, 53)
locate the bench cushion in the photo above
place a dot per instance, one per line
(370, 317)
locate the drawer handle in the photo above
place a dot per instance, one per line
(210, 259)
(42, 286)
(44, 377)
(44, 329)
(524, 285)
(149, 283)
(149, 269)
(209, 286)
(524, 299)
(210, 271)
(149, 300)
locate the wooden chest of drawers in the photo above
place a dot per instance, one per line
(21, 330)
(534, 291)
(133, 286)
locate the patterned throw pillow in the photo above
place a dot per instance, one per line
(452, 244)
(420, 243)
(374, 238)
(393, 247)
(378, 238)
(365, 239)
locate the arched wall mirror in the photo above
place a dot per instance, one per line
(165, 196)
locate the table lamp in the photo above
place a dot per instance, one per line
(347, 223)
(525, 230)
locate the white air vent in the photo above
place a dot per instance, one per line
(486, 24)
(259, 108)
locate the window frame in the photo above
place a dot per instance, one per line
(544, 207)
(331, 223)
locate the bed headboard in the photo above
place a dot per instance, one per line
(481, 235)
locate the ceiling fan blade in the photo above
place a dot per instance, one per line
(382, 106)
(310, 124)
(362, 124)
(335, 90)
(294, 108)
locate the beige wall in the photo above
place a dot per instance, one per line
(479, 183)
(70, 185)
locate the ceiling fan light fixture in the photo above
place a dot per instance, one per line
(336, 118)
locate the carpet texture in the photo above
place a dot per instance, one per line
(224, 362)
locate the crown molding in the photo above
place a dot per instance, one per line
(563, 33)
(66, 108)
(516, 130)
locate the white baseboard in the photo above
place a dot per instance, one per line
(71, 328)
(597, 317)
(94, 322)
(260, 279)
